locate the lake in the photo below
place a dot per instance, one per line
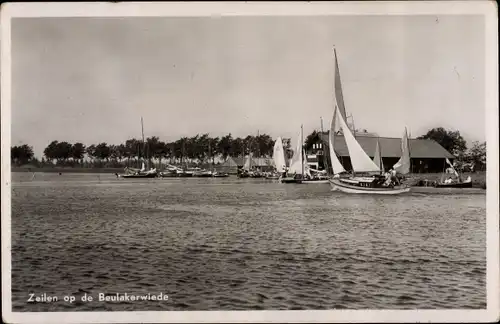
(230, 244)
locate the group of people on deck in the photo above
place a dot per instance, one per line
(391, 179)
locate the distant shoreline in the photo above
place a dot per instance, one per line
(478, 178)
(67, 170)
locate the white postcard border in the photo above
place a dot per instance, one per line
(192, 9)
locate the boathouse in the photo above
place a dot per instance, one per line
(427, 156)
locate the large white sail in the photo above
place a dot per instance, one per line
(279, 155)
(247, 164)
(338, 88)
(336, 165)
(296, 165)
(360, 161)
(403, 165)
(378, 158)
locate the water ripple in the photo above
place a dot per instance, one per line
(235, 245)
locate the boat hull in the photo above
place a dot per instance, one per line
(467, 184)
(347, 188)
(322, 181)
(139, 176)
(290, 180)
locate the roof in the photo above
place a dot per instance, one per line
(390, 147)
(240, 161)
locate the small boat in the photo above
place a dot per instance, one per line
(220, 175)
(171, 171)
(243, 174)
(313, 176)
(131, 173)
(292, 179)
(467, 183)
(376, 184)
(458, 182)
(295, 173)
(278, 159)
(316, 181)
(202, 173)
(272, 176)
(140, 175)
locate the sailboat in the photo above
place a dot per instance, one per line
(361, 163)
(450, 182)
(245, 172)
(295, 172)
(142, 172)
(371, 181)
(279, 160)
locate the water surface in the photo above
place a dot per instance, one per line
(229, 244)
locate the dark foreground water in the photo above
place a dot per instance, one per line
(233, 244)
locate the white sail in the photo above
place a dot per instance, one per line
(247, 164)
(360, 161)
(296, 165)
(403, 165)
(378, 157)
(336, 165)
(338, 88)
(279, 155)
(452, 167)
(307, 169)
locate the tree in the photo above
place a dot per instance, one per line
(265, 145)
(50, 152)
(452, 141)
(102, 151)
(77, 151)
(91, 151)
(477, 155)
(20, 155)
(237, 147)
(224, 146)
(213, 148)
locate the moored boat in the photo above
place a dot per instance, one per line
(295, 173)
(464, 184)
(451, 182)
(220, 175)
(371, 181)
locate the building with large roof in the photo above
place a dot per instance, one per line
(426, 155)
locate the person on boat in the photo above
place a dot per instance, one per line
(394, 178)
(448, 181)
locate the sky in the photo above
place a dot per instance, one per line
(91, 80)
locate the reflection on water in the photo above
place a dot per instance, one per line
(242, 244)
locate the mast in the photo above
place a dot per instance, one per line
(143, 142)
(325, 162)
(302, 148)
(380, 161)
(409, 152)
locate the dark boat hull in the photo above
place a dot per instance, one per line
(291, 180)
(220, 175)
(454, 185)
(139, 176)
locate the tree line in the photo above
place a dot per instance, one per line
(201, 149)
(197, 149)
